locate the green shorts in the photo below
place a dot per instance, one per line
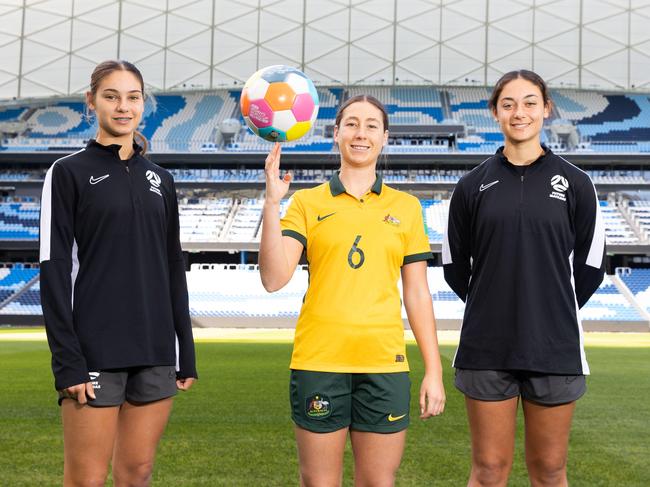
(323, 402)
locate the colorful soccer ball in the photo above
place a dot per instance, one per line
(279, 103)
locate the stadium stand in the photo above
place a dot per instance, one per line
(203, 220)
(186, 122)
(19, 220)
(638, 282)
(435, 218)
(617, 229)
(27, 302)
(13, 278)
(216, 219)
(609, 304)
(234, 294)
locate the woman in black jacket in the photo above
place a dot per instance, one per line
(113, 291)
(524, 248)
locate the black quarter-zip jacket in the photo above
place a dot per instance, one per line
(524, 248)
(113, 286)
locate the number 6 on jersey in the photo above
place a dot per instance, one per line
(356, 250)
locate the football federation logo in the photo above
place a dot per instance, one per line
(560, 186)
(391, 220)
(155, 181)
(318, 406)
(559, 183)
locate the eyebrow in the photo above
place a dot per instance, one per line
(509, 98)
(117, 91)
(352, 117)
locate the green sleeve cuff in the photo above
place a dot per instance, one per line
(409, 259)
(293, 234)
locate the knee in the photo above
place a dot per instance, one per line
(490, 471)
(376, 478)
(133, 475)
(96, 481)
(84, 478)
(547, 470)
(313, 479)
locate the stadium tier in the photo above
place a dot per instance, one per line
(618, 177)
(210, 220)
(232, 295)
(19, 221)
(28, 303)
(13, 279)
(609, 304)
(638, 282)
(190, 122)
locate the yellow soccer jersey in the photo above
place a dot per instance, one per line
(350, 319)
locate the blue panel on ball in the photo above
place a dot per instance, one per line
(272, 134)
(278, 73)
(313, 92)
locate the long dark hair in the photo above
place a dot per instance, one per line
(106, 68)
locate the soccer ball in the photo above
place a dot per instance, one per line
(279, 103)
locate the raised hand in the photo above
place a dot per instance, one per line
(276, 187)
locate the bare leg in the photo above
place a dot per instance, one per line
(547, 442)
(377, 457)
(88, 436)
(492, 425)
(321, 457)
(140, 427)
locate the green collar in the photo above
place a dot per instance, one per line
(337, 188)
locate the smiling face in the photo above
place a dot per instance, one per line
(360, 134)
(520, 111)
(118, 104)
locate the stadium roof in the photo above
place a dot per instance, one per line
(49, 47)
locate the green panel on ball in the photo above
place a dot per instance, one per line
(272, 134)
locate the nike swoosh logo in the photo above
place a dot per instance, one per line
(94, 180)
(321, 218)
(486, 186)
(392, 418)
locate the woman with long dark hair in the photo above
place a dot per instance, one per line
(113, 291)
(524, 248)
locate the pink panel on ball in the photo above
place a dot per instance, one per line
(303, 107)
(260, 113)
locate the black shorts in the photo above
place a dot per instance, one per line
(323, 402)
(134, 384)
(499, 385)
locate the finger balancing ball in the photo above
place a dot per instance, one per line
(279, 103)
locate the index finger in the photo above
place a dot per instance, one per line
(273, 159)
(81, 395)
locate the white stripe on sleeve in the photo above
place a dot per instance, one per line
(46, 216)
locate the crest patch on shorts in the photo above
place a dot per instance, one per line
(318, 406)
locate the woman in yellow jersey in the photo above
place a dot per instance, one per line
(349, 371)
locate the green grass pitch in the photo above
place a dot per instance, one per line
(233, 428)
